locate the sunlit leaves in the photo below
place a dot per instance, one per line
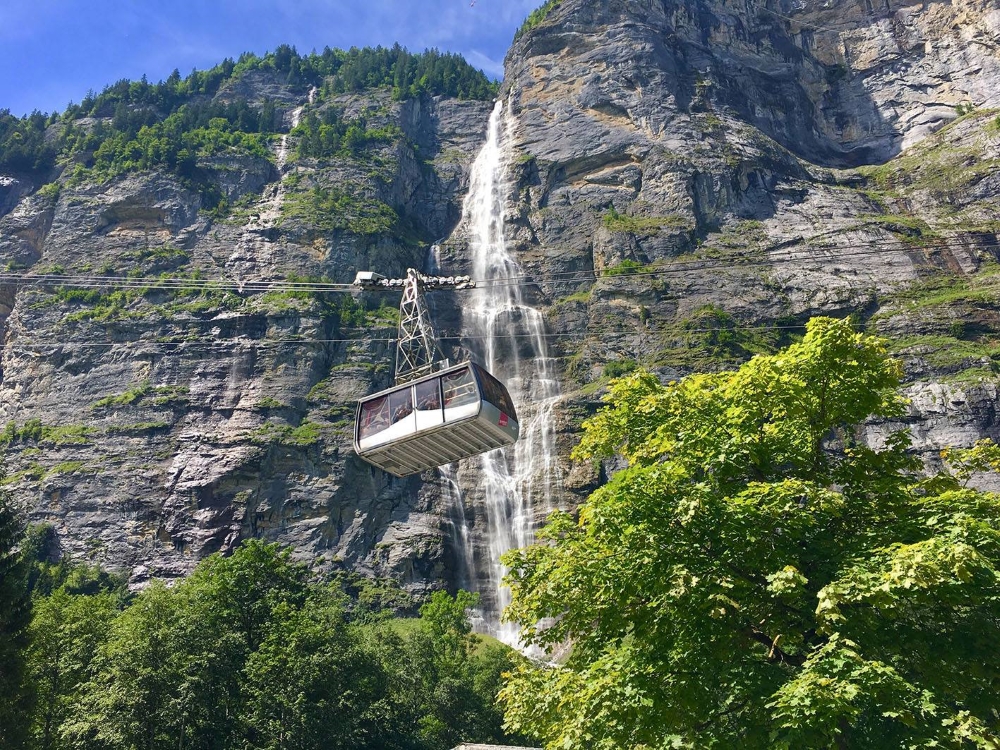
(757, 577)
(984, 456)
(248, 652)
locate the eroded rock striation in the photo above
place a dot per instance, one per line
(165, 424)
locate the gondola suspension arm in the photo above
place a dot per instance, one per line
(418, 352)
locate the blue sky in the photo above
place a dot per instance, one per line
(53, 51)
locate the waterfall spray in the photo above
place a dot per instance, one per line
(519, 482)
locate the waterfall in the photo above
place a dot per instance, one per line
(255, 252)
(517, 484)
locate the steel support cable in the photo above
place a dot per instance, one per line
(810, 243)
(707, 265)
(138, 282)
(277, 343)
(800, 255)
(283, 284)
(833, 30)
(673, 270)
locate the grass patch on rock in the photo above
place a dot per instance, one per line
(952, 358)
(329, 209)
(625, 268)
(943, 164)
(617, 222)
(710, 338)
(942, 289)
(145, 391)
(33, 431)
(306, 434)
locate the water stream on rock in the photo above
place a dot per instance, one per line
(255, 251)
(517, 484)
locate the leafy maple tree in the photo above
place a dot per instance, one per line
(758, 576)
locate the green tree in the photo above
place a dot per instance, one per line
(440, 652)
(15, 616)
(131, 700)
(227, 610)
(454, 678)
(66, 632)
(756, 577)
(310, 685)
(244, 590)
(247, 652)
(173, 670)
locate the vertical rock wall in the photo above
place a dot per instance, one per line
(690, 180)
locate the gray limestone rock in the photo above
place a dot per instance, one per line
(678, 168)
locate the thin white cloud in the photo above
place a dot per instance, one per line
(492, 68)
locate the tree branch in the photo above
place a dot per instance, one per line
(775, 654)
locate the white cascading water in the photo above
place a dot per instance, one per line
(254, 250)
(518, 483)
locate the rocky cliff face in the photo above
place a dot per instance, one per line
(726, 171)
(690, 180)
(838, 83)
(154, 426)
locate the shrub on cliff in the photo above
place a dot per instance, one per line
(756, 577)
(536, 17)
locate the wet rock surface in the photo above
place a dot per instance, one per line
(724, 176)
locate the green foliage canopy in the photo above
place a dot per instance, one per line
(536, 17)
(757, 578)
(15, 617)
(248, 652)
(179, 111)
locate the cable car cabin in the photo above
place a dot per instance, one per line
(437, 419)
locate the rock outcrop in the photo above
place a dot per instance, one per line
(164, 424)
(691, 180)
(725, 172)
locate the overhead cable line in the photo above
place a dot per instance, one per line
(796, 254)
(159, 282)
(275, 343)
(817, 27)
(811, 241)
(710, 265)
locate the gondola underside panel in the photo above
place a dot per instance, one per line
(427, 450)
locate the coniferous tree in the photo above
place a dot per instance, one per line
(15, 616)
